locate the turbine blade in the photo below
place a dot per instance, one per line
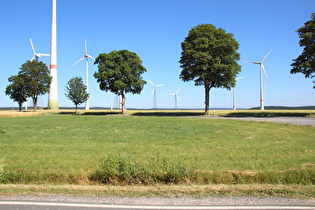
(266, 55)
(159, 85)
(85, 48)
(177, 97)
(153, 90)
(40, 54)
(172, 94)
(254, 62)
(33, 58)
(263, 67)
(32, 46)
(78, 61)
(151, 83)
(90, 57)
(241, 77)
(178, 90)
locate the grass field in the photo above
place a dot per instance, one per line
(67, 149)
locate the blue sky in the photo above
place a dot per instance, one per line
(155, 30)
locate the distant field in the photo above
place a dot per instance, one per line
(67, 148)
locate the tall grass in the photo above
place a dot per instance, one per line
(70, 149)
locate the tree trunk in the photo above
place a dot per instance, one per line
(34, 103)
(76, 109)
(123, 99)
(207, 99)
(20, 107)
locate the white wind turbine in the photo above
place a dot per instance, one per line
(176, 97)
(154, 94)
(36, 55)
(86, 57)
(262, 68)
(234, 96)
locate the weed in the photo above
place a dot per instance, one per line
(115, 169)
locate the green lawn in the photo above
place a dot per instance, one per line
(57, 148)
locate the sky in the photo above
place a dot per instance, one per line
(154, 30)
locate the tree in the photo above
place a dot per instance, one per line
(305, 63)
(120, 72)
(36, 79)
(76, 92)
(209, 58)
(16, 90)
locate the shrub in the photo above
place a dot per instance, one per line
(115, 169)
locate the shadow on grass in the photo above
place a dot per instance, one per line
(162, 114)
(268, 114)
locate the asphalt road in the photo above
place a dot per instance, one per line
(286, 120)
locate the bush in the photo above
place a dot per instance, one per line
(125, 170)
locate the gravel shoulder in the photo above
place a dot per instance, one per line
(285, 120)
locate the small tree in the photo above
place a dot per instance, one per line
(36, 79)
(305, 63)
(209, 58)
(120, 72)
(76, 92)
(16, 90)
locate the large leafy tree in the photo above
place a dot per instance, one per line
(76, 92)
(120, 72)
(36, 79)
(209, 58)
(16, 90)
(305, 63)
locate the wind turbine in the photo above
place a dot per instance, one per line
(154, 94)
(234, 96)
(176, 97)
(53, 90)
(36, 55)
(86, 57)
(262, 68)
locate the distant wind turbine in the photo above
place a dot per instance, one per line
(86, 57)
(234, 96)
(262, 68)
(36, 55)
(154, 94)
(176, 97)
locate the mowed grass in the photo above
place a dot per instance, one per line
(68, 148)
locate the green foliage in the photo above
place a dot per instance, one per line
(17, 90)
(76, 91)
(117, 169)
(305, 63)
(120, 72)
(36, 79)
(209, 58)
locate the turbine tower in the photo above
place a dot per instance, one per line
(234, 96)
(86, 57)
(36, 55)
(176, 97)
(154, 94)
(262, 68)
(53, 91)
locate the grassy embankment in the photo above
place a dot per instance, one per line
(67, 149)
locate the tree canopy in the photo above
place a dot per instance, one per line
(209, 58)
(36, 78)
(120, 72)
(76, 91)
(305, 63)
(16, 90)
